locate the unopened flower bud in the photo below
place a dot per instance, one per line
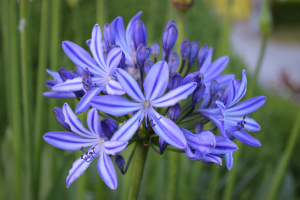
(109, 35)
(108, 126)
(155, 49)
(120, 162)
(265, 18)
(199, 127)
(142, 53)
(173, 62)
(65, 74)
(194, 46)
(122, 61)
(202, 55)
(147, 65)
(169, 37)
(183, 4)
(61, 118)
(184, 49)
(174, 112)
(175, 81)
(139, 34)
(214, 87)
(198, 94)
(162, 145)
(88, 42)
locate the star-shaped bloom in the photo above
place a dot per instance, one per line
(154, 86)
(231, 117)
(80, 138)
(102, 72)
(124, 40)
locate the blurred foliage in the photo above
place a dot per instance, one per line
(280, 10)
(204, 25)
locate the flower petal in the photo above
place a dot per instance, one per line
(84, 103)
(224, 79)
(224, 145)
(246, 107)
(54, 74)
(231, 93)
(229, 160)
(93, 122)
(192, 77)
(168, 130)
(70, 85)
(209, 158)
(129, 85)
(114, 147)
(245, 138)
(97, 49)
(75, 124)
(59, 95)
(251, 125)
(241, 91)
(126, 131)
(80, 57)
(68, 141)
(207, 61)
(130, 26)
(156, 80)
(107, 171)
(215, 68)
(174, 96)
(78, 168)
(114, 88)
(113, 60)
(114, 105)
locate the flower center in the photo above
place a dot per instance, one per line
(241, 124)
(93, 152)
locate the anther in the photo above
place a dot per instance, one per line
(159, 118)
(81, 157)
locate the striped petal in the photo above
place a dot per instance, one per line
(68, 141)
(114, 147)
(229, 160)
(114, 88)
(215, 68)
(209, 158)
(93, 122)
(130, 26)
(59, 95)
(78, 168)
(107, 171)
(97, 49)
(207, 61)
(75, 124)
(245, 138)
(251, 125)
(69, 85)
(223, 145)
(84, 103)
(113, 60)
(174, 96)
(156, 80)
(241, 91)
(80, 57)
(54, 74)
(114, 105)
(129, 85)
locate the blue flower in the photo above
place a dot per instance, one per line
(231, 117)
(154, 86)
(102, 72)
(127, 44)
(80, 138)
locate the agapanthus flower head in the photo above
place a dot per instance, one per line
(80, 138)
(109, 36)
(173, 62)
(184, 49)
(169, 37)
(139, 34)
(154, 85)
(155, 49)
(175, 81)
(194, 47)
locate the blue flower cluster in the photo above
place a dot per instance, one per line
(121, 80)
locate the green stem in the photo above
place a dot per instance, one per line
(100, 10)
(140, 160)
(39, 110)
(172, 175)
(16, 102)
(285, 159)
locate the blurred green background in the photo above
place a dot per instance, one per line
(32, 169)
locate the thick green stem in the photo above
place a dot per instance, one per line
(100, 12)
(172, 175)
(39, 110)
(16, 100)
(140, 160)
(285, 159)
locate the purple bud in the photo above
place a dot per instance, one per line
(174, 112)
(142, 53)
(214, 87)
(147, 65)
(65, 74)
(184, 49)
(155, 49)
(122, 62)
(108, 126)
(86, 80)
(109, 35)
(173, 62)
(88, 42)
(198, 94)
(199, 127)
(162, 145)
(202, 55)
(120, 162)
(61, 118)
(199, 79)
(139, 34)
(169, 37)
(194, 46)
(175, 81)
